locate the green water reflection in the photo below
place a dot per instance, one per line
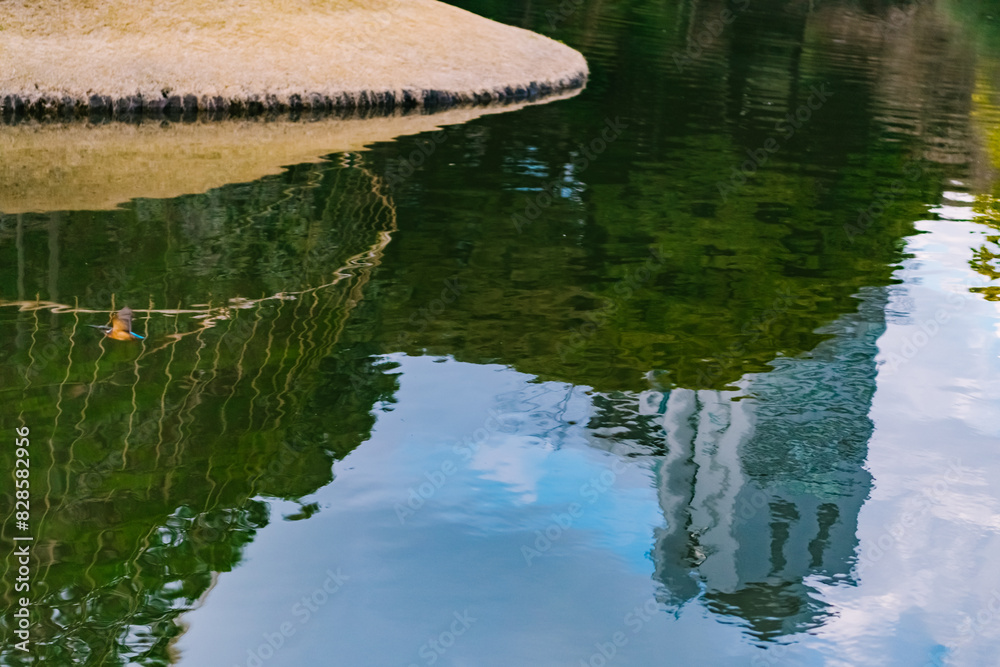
(664, 235)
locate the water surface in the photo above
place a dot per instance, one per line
(698, 367)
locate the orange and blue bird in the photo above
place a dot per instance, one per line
(120, 327)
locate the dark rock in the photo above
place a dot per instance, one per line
(254, 107)
(101, 108)
(154, 107)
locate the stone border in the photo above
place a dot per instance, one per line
(14, 108)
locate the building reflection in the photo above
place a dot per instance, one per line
(761, 486)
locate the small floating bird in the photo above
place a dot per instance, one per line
(120, 327)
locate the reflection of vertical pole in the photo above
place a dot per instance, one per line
(215, 359)
(187, 404)
(315, 352)
(72, 342)
(329, 332)
(93, 561)
(239, 362)
(145, 342)
(280, 411)
(55, 429)
(207, 381)
(145, 321)
(267, 358)
(135, 601)
(86, 401)
(264, 363)
(260, 469)
(222, 410)
(54, 262)
(31, 348)
(233, 323)
(305, 344)
(191, 400)
(330, 211)
(19, 242)
(135, 402)
(314, 317)
(163, 406)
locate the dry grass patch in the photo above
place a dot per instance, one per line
(243, 49)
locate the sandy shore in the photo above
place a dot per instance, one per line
(127, 57)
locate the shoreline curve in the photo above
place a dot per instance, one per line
(127, 59)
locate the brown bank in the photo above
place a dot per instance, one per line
(123, 57)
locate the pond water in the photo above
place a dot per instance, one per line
(698, 367)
